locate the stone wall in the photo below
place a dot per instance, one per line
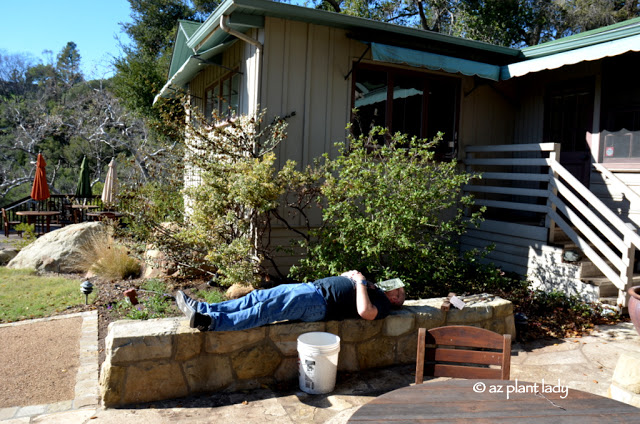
(164, 358)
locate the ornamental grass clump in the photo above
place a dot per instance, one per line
(104, 257)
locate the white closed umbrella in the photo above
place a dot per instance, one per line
(110, 189)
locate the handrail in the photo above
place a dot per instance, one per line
(584, 218)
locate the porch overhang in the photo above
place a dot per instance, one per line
(433, 61)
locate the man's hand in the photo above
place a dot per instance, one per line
(366, 309)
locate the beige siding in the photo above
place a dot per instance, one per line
(304, 67)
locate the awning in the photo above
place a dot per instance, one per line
(433, 61)
(557, 60)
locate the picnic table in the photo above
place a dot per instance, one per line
(32, 217)
(493, 401)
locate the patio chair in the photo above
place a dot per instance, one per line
(8, 224)
(462, 351)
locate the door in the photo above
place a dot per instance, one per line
(569, 121)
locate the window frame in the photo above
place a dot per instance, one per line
(427, 78)
(223, 100)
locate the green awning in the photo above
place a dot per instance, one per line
(570, 57)
(433, 61)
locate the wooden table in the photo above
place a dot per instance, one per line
(78, 211)
(33, 216)
(463, 401)
(101, 215)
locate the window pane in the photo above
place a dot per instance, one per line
(209, 103)
(235, 94)
(407, 105)
(441, 116)
(370, 99)
(216, 99)
(226, 91)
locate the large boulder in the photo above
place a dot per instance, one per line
(7, 254)
(59, 250)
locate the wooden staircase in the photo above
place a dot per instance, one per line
(527, 180)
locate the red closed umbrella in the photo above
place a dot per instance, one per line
(40, 189)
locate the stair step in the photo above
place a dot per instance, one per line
(613, 301)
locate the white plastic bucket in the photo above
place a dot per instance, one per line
(318, 362)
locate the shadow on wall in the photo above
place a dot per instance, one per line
(549, 272)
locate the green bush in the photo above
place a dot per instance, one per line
(392, 211)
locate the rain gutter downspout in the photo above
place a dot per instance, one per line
(226, 28)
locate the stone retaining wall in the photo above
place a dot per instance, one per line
(164, 358)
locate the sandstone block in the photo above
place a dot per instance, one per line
(407, 348)
(377, 352)
(230, 341)
(469, 314)
(288, 370)
(187, 345)
(627, 372)
(111, 384)
(258, 361)
(289, 332)
(348, 358)
(501, 307)
(356, 330)
(396, 325)
(153, 380)
(207, 373)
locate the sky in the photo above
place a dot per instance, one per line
(32, 26)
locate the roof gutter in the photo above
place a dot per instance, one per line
(224, 25)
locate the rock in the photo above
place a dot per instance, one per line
(7, 254)
(157, 264)
(58, 251)
(236, 291)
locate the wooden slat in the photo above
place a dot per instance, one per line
(512, 205)
(516, 191)
(591, 254)
(593, 238)
(529, 147)
(420, 355)
(463, 335)
(515, 176)
(460, 371)
(588, 214)
(508, 162)
(503, 239)
(507, 228)
(468, 356)
(596, 203)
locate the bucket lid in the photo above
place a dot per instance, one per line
(388, 285)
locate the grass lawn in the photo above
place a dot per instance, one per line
(26, 295)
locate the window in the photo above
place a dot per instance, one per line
(409, 102)
(223, 97)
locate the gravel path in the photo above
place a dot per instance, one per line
(39, 361)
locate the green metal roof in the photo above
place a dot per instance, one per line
(197, 41)
(613, 32)
(596, 44)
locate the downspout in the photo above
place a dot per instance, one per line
(226, 28)
(256, 101)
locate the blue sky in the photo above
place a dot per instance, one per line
(32, 26)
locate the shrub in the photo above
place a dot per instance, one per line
(391, 211)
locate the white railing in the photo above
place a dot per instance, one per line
(607, 241)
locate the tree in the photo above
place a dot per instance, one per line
(68, 65)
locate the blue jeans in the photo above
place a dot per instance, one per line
(284, 302)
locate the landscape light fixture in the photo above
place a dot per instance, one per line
(86, 288)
